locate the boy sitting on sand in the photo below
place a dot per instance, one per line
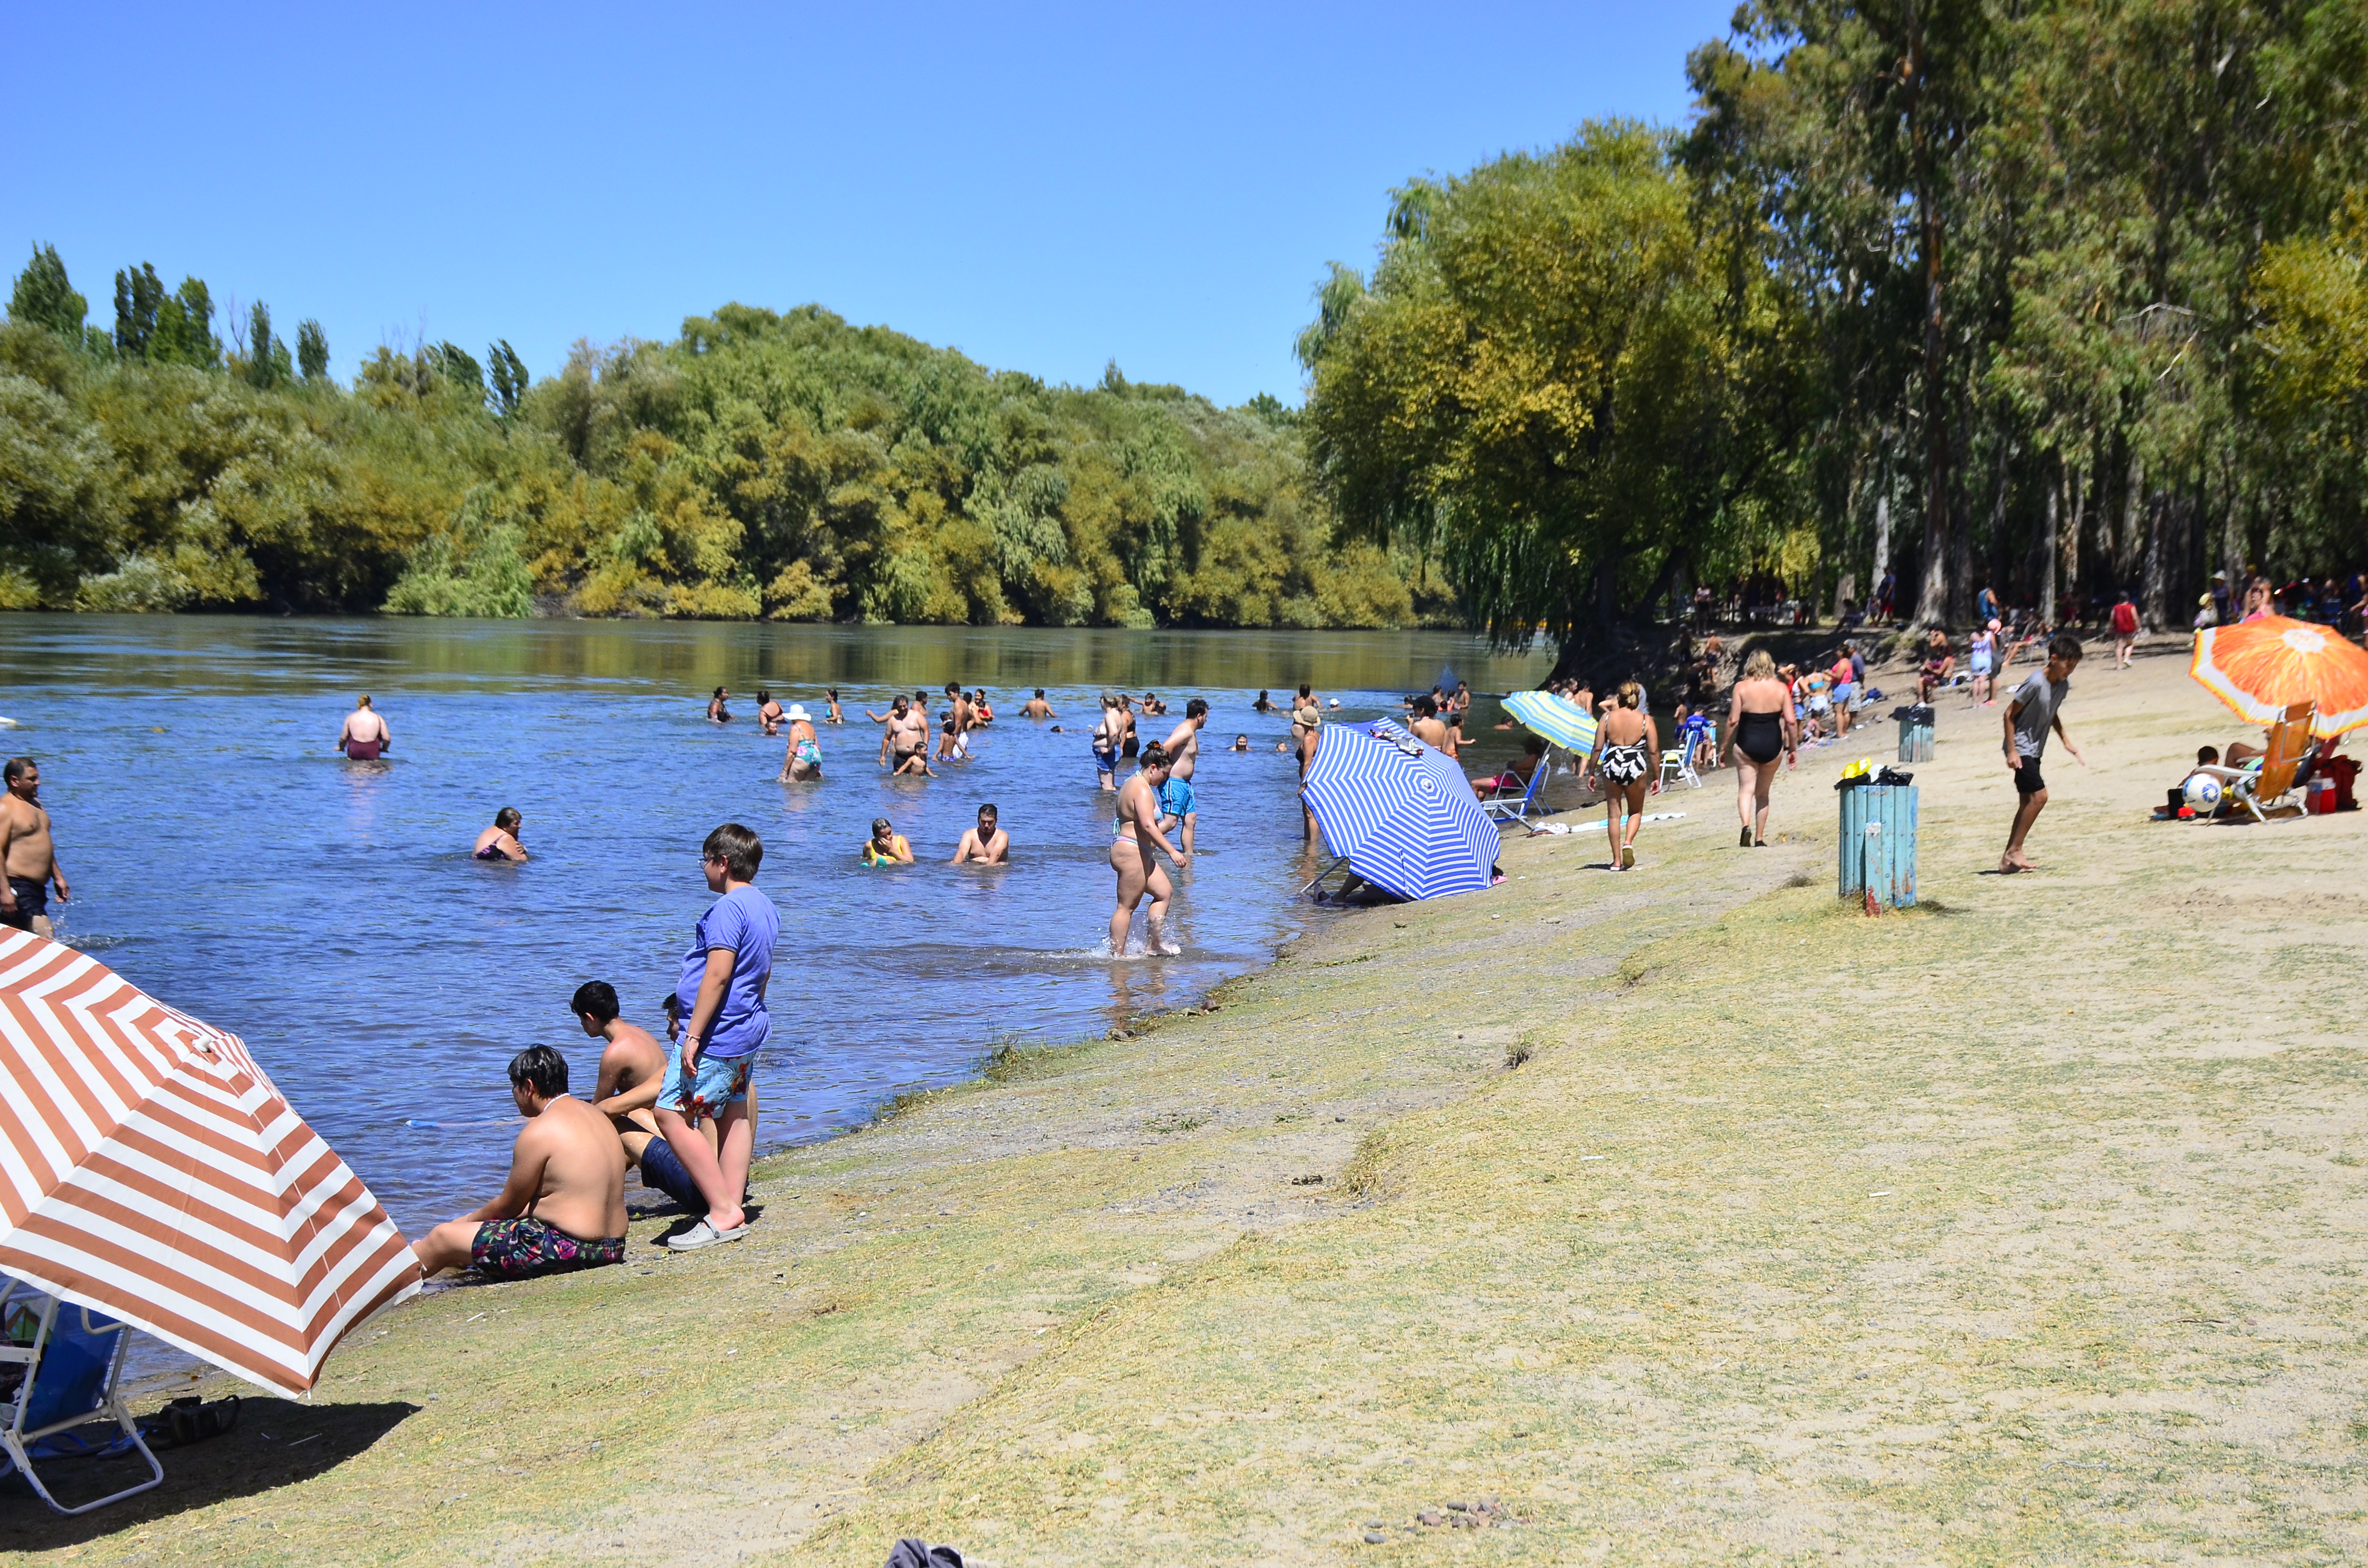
(564, 1206)
(633, 1066)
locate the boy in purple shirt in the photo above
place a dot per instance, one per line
(722, 995)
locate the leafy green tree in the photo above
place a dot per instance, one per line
(509, 377)
(44, 297)
(184, 330)
(137, 294)
(311, 350)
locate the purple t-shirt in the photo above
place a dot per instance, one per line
(744, 921)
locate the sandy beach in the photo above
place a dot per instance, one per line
(1685, 1215)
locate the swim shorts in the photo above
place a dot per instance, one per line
(719, 1082)
(662, 1172)
(1176, 799)
(32, 899)
(1105, 760)
(2027, 780)
(525, 1247)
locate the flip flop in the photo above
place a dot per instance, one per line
(704, 1234)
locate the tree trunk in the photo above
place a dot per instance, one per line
(2130, 539)
(2048, 548)
(2154, 571)
(2071, 563)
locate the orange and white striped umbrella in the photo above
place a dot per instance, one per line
(149, 1170)
(2260, 667)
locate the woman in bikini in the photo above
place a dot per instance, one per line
(830, 699)
(1760, 728)
(500, 842)
(1136, 827)
(1627, 747)
(716, 713)
(803, 762)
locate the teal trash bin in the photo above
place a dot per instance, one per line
(1916, 733)
(1878, 844)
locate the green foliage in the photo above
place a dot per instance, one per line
(137, 294)
(785, 465)
(43, 297)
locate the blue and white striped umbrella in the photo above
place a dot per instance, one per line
(1401, 813)
(1560, 720)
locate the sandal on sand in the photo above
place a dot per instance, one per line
(704, 1234)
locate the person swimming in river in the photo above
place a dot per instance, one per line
(1036, 706)
(830, 703)
(1263, 705)
(985, 844)
(1241, 743)
(364, 737)
(886, 847)
(1135, 829)
(716, 713)
(768, 712)
(500, 842)
(801, 763)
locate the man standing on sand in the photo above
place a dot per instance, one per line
(564, 1206)
(1177, 802)
(2037, 709)
(632, 1065)
(28, 853)
(725, 1023)
(364, 737)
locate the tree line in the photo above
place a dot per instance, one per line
(2058, 297)
(785, 465)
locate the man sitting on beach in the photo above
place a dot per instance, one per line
(985, 844)
(364, 737)
(564, 1206)
(632, 1065)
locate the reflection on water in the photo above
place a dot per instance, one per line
(226, 858)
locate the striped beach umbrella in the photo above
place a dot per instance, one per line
(1562, 722)
(150, 1171)
(2261, 667)
(1400, 812)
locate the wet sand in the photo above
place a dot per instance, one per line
(1683, 1215)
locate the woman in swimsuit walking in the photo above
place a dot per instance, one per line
(1627, 747)
(500, 842)
(1760, 727)
(1136, 827)
(803, 761)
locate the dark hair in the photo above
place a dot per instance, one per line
(953, 688)
(764, 696)
(1153, 755)
(2207, 755)
(597, 998)
(541, 1068)
(1426, 705)
(17, 768)
(986, 808)
(719, 691)
(738, 847)
(673, 1003)
(1535, 745)
(507, 818)
(1195, 708)
(830, 691)
(2064, 646)
(1304, 688)
(880, 822)
(1040, 692)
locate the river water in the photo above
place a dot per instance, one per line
(225, 857)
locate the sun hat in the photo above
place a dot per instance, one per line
(798, 712)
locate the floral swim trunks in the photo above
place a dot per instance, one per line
(525, 1247)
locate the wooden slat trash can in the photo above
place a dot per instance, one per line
(1916, 733)
(1878, 845)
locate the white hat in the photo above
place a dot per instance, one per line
(1335, 702)
(798, 712)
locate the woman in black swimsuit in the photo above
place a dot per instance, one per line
(1760, 727)
(1627, 761)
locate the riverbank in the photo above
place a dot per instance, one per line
(2018, 1227)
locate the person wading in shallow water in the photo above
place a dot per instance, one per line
(29, 853)
(364, 737)
(1136, 827)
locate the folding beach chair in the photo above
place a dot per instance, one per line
(1510, 805)
(72, 1364)
(2263, 791)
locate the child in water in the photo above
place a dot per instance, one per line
(886, 847)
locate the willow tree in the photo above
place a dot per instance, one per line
(1564, 376)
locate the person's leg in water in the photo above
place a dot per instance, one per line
(1163, 894)
(1127, 861)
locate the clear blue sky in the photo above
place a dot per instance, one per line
(1046, 187)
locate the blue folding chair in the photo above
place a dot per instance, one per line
(72, 1365)
(1508, 805)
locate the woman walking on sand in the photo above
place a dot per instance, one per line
(1760, 728)
(1627, 745)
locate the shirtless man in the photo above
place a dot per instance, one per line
(1177, 804)
(1139, 871)
(1427, 727)
(633, 1066)
(1036, 706)
(364, 737)
(985, 844)
(953, 736)
(1306, 727)
(906, 735)
(1152, 706)
(29, 853)
(564, 1206)
(768, 712)
(1107, 734)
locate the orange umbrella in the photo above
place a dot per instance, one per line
(2260, 667)
(149, 1170)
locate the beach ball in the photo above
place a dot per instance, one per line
(2202, 791)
